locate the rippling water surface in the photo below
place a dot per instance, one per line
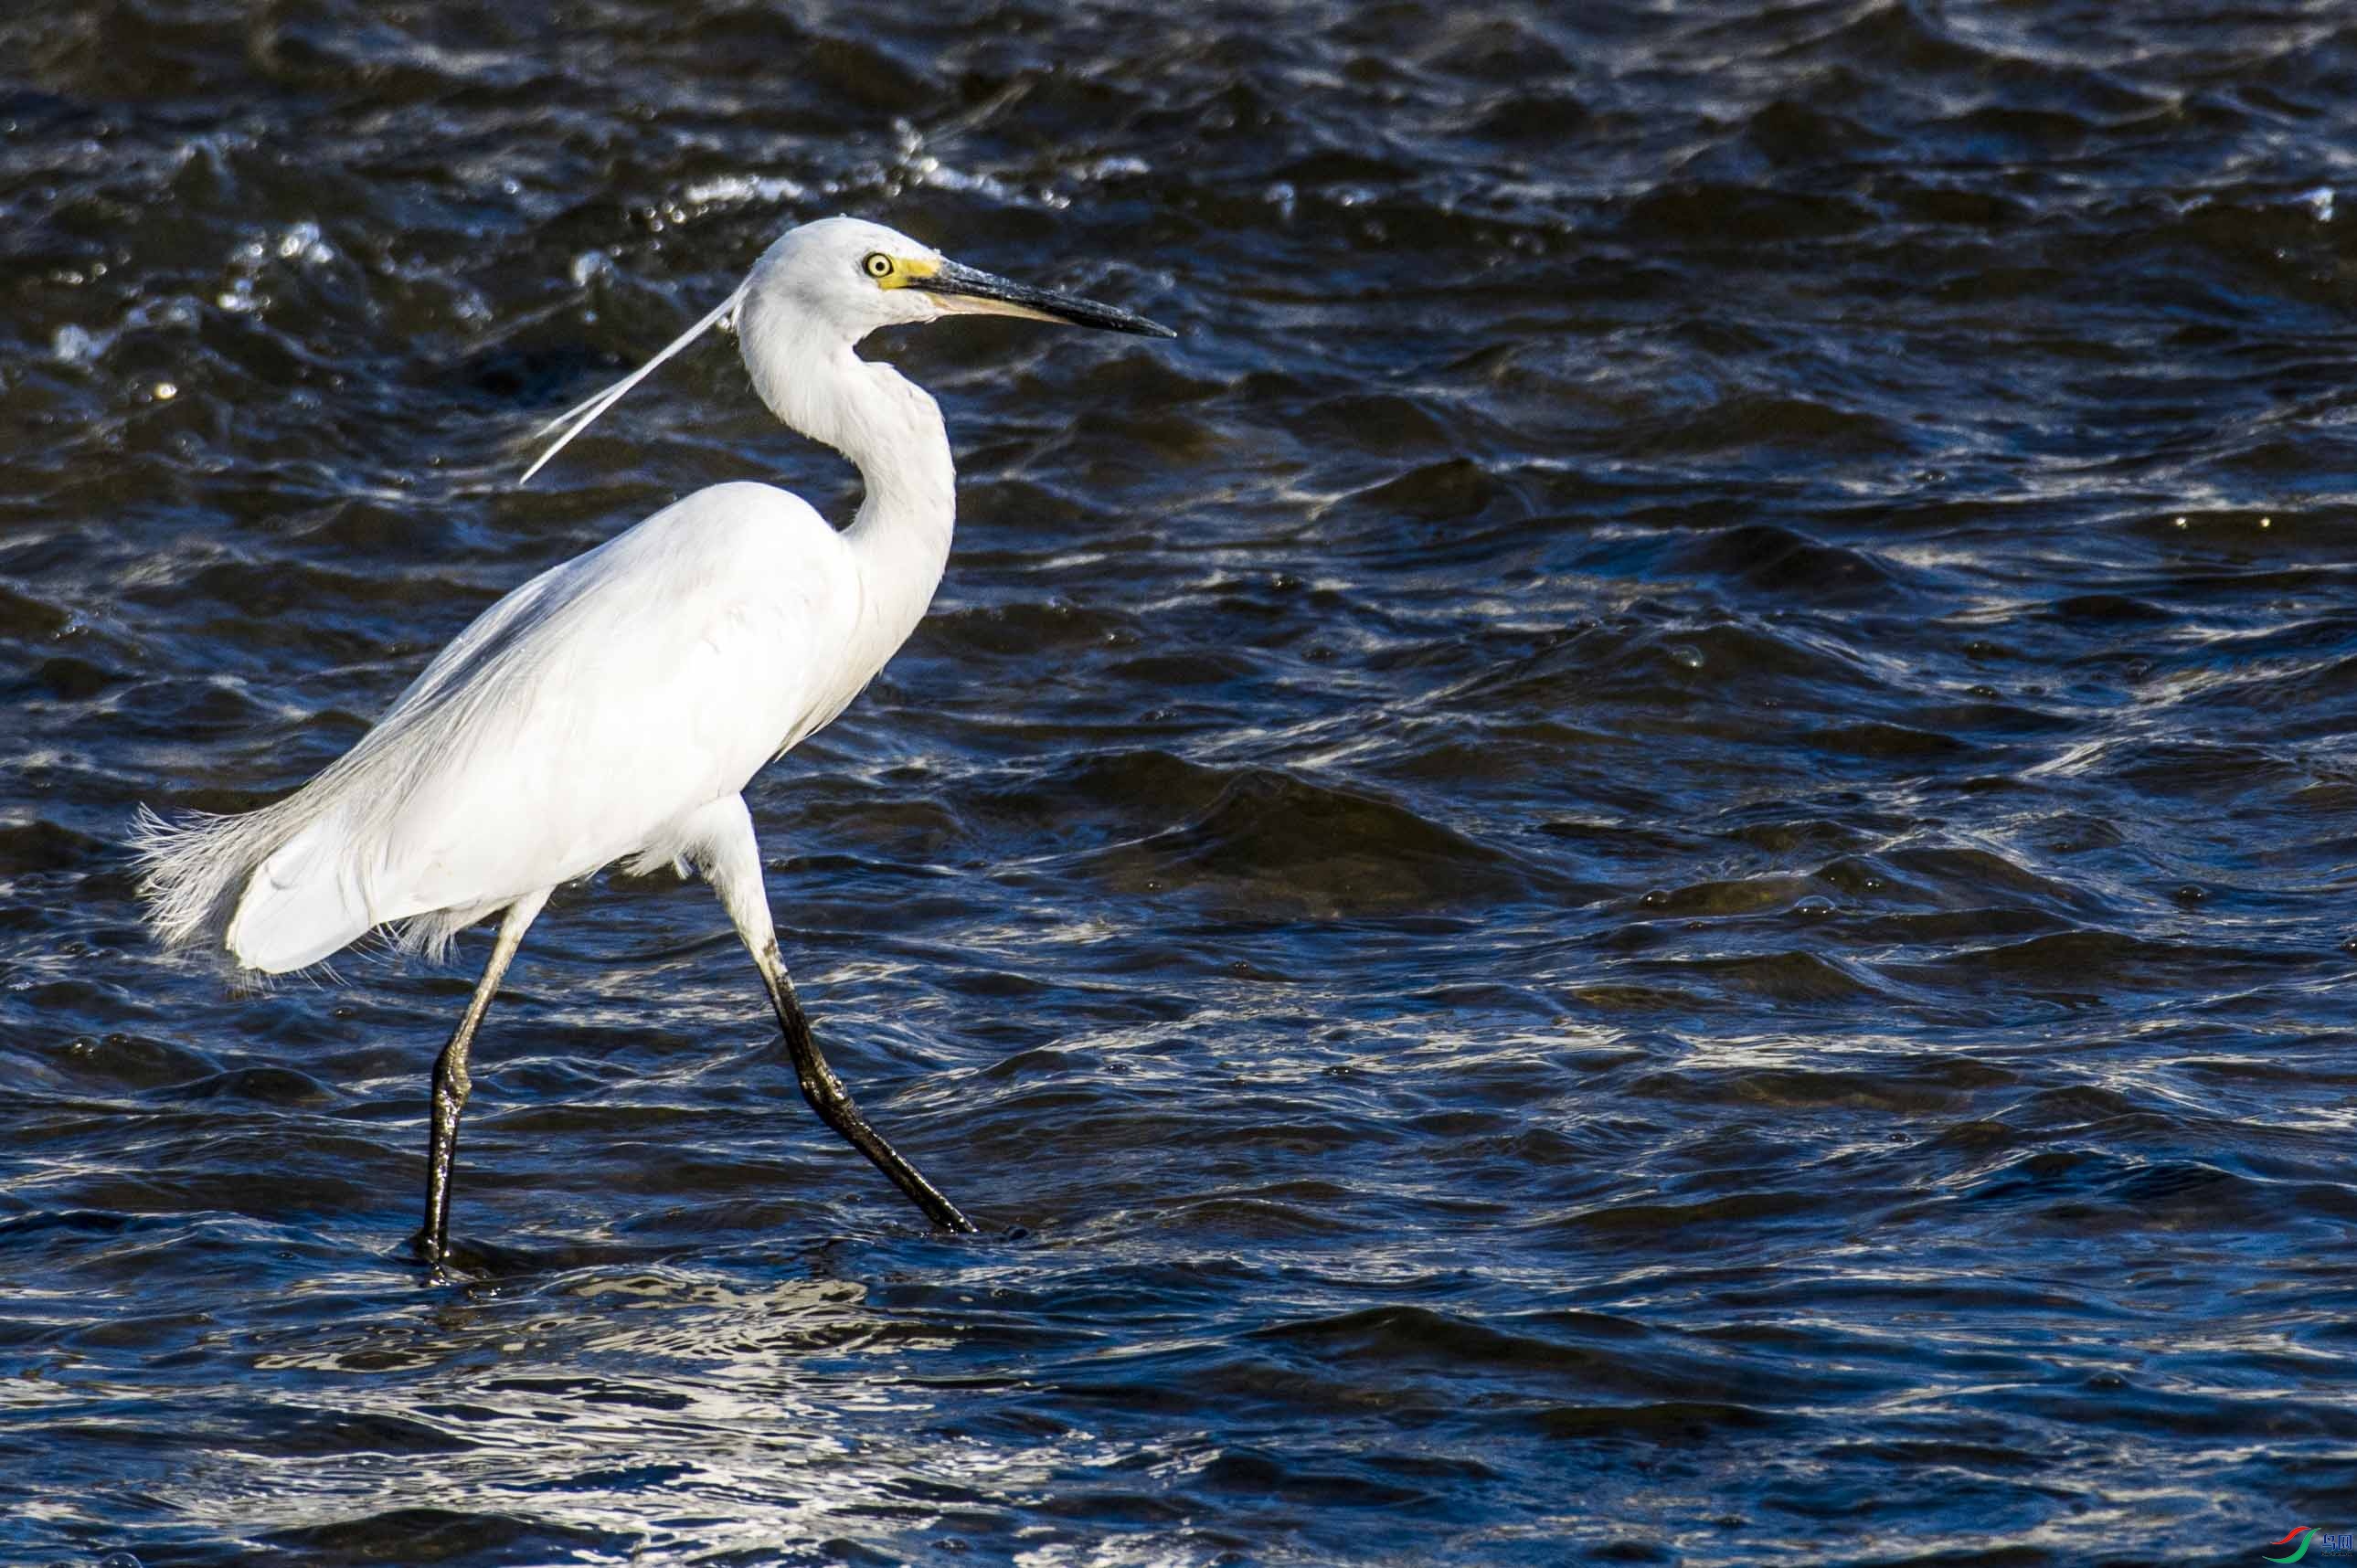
(1649, 861)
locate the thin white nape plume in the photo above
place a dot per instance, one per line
(581, 415)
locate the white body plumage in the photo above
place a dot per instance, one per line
(589, 715)
(600, 709)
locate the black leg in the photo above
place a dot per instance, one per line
(825, 1093)
(452, 1080)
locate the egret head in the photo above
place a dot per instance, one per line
(857, 276)
(832, 282)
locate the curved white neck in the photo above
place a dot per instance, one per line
(891, 430)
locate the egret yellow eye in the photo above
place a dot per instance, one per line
(876, 265)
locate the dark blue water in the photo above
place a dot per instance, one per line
(1649, 861)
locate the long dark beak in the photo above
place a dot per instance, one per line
(964, 291)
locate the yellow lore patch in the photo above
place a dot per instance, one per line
(897, 272)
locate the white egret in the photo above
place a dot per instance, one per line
(616, 705)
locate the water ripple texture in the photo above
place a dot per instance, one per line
(1649, 861)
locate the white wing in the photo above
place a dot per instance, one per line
(574, 722)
